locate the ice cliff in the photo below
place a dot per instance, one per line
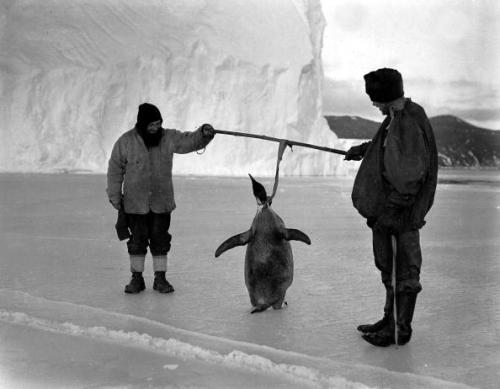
(73, 73)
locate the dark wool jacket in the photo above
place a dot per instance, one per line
(145, 176)
(405, 169)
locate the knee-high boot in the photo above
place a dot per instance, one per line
(388, 314)
(405, 303)
(406, 307)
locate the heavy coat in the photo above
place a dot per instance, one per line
(405, 168)
(146, 175)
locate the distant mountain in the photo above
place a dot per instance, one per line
(459, 143)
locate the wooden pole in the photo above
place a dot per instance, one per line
(288, 142)
(394, 245)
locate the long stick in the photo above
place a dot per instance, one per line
(395, 306)
(288, 142)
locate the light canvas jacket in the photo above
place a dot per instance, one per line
(143, 176)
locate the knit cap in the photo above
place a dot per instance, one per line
(148, 113)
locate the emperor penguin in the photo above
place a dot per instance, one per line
(268, 258)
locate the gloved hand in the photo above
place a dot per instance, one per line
(356, 153)
(208, 131)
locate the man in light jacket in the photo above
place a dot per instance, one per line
(394, 189)
(140, 186)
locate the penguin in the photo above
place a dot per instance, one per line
(268, 258)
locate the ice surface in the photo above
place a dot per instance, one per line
(73, 74)
(63, 312)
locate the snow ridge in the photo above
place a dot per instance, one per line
(67, 318)
(186, 351)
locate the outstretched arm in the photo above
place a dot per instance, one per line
(186, 142)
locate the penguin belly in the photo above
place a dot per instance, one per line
(268, 274)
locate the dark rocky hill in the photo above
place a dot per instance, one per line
(459, 143)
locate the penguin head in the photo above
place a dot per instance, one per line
(259, 192)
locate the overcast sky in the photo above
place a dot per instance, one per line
(447, 50)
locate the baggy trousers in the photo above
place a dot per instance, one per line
(408, 259)
(149, 230)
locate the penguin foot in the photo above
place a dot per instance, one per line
(280, 305)
(260, 308)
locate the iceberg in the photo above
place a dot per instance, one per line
(72, 75)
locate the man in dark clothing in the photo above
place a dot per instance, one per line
(140, 188)
(394, 189)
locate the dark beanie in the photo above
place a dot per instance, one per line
(384, 85)
(148, 113)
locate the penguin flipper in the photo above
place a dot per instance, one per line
(236, 240)
(293, 234)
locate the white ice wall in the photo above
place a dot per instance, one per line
(74, 72)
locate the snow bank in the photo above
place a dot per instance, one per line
(186, 351)
(73, 74)
(65, 318)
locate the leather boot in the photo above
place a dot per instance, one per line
(388, 314)
(405, 303)
(406, 307)
(161, 284)
(383, 338)
(136, 284)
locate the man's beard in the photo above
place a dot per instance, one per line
(150, 139)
